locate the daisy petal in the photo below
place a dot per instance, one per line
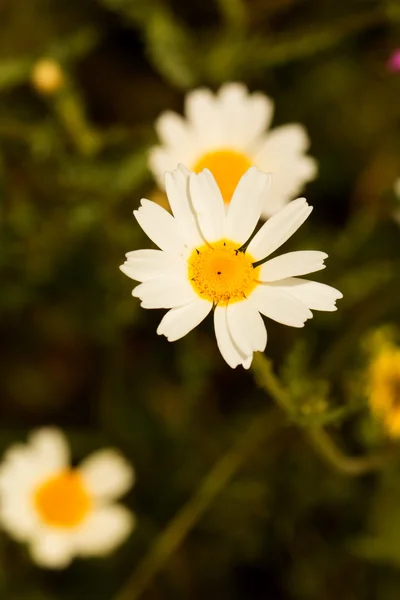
(280, 306)
(50, 447)
(244, 116)
(17, 515)
(161, 160)
(246, 327)
(317, 296)
(200, 108)
(52, 550)
(143, 265)
(107, 474)
(281, 151)
(164, 293)
(179, 321)
(172, 129)
(160, 226)
(230, 352)
(105, 529)
(177, 188)
(245, 207)
(279, 228)
(208, 204)
(292, 263)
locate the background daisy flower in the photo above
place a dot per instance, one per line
(62, 512)
(227, 133)
(384, 388)
(205, 262)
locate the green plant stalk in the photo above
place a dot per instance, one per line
(69, 109)
(260, 429)
(317, 436)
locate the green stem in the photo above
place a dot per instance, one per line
(68, 107)
(259, 430)
(317, 436)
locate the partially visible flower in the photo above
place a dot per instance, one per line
(60, 511)
(393, 63)
(227, 133)
(384, 387)
(47, 76)
(210, 258)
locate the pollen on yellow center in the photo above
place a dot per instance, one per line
(221, 273)
(385, 389)
(227, 166)
(62, 500)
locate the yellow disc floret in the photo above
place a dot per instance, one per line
(384, 393)
(62, 500)
(221, 273)
(227, 166)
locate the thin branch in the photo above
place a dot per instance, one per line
(259, 430)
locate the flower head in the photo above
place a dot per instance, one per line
(60, 511)
(384, 387)
(206, 261)
(227, 133)
(393, 63)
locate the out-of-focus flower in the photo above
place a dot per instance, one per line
(47, 76)
(393, 63)
(62, 512)
(384, 387)
(227, 133)
(206, 261)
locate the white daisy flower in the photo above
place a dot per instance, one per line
(62, 512)
(205, 262)
(227, 133)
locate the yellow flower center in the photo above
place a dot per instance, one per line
(385, 389)
(221, 273)
(227, 166)
(62, 500)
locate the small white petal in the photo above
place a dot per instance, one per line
(160, 226)
(279, 228)
(179, 321)
(230, 352)
(280, 306)
(143, 265)
(107, 474)
(172, 129)
(164, 293)
(53, 550)
(17, 513)
(282, 152)
(292, 263)
(51, 448)
(208, 205)
(244, 209)
(247, 363)
(246, 327)
(204, 118)
(105, 528)
(243, 116)
(317, 296)
(160, 160)
(177, 188)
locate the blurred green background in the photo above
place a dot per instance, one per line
(78, 352)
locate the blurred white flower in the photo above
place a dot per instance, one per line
(206, 260)
(62, 512)
(227, 133)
